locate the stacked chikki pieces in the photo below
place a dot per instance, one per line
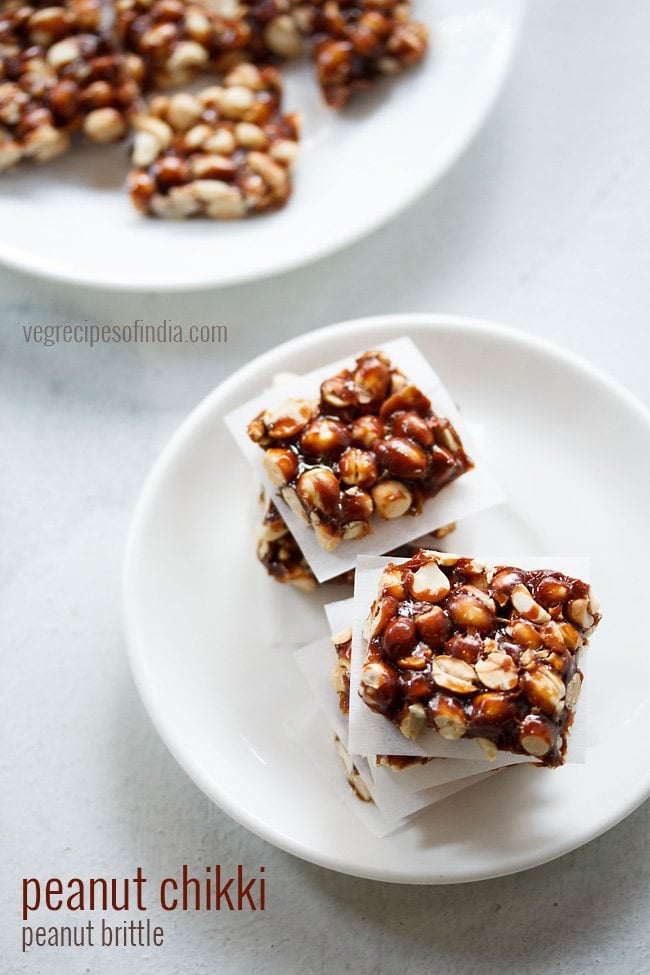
(225, 152)
(361, 451)
(453, 668)
(442, 669)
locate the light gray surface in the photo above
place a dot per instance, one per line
(542, 225)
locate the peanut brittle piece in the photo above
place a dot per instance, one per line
(224, 153)
(61, 74)
(355, 42)
(477, 651)
(371, 444)
(178, 39)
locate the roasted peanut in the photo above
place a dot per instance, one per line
(489, 710)
(525, 635)
(578, 612)
(453, 674)
(356, 504)
(384, 611)
(367, 430)
(354, 530)
(318, 488)
(497, 671)
(408, 399)
(378, 685)
(324, 438)
(391, 583)
(526, 606)
(338, 392)
(329, 536)
(448, 716)
(469, 610)
(399, 637)
(551, 591)
(465, 646)
(503, 584)
(414, 721)
(414, 427)
(429, 583)
(291, 499)
(287, 418)
(358, 467)
(401, 458)
(536, 736)
(434, 627)
(573, 691)
(392, 499)
(372, 380)
(281, 465)
(545, 689)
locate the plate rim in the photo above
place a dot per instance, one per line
(51, 269)
(136, 654)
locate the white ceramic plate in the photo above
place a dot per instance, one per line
(71, 220)
(210, 652)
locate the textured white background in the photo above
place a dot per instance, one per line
(543, 224)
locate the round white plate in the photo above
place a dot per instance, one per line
(209, 652)
(72, 221)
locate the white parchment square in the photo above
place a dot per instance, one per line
(472, 492)
(316, 662)
(314, 736)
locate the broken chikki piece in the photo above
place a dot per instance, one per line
(477, 651)
(358, 41)
(60, 73)
(223, 153)
(179, 39)
(370, 445)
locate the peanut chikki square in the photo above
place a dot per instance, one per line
(224, 153)
(370, 445)
(477, 651)
(60, 73)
